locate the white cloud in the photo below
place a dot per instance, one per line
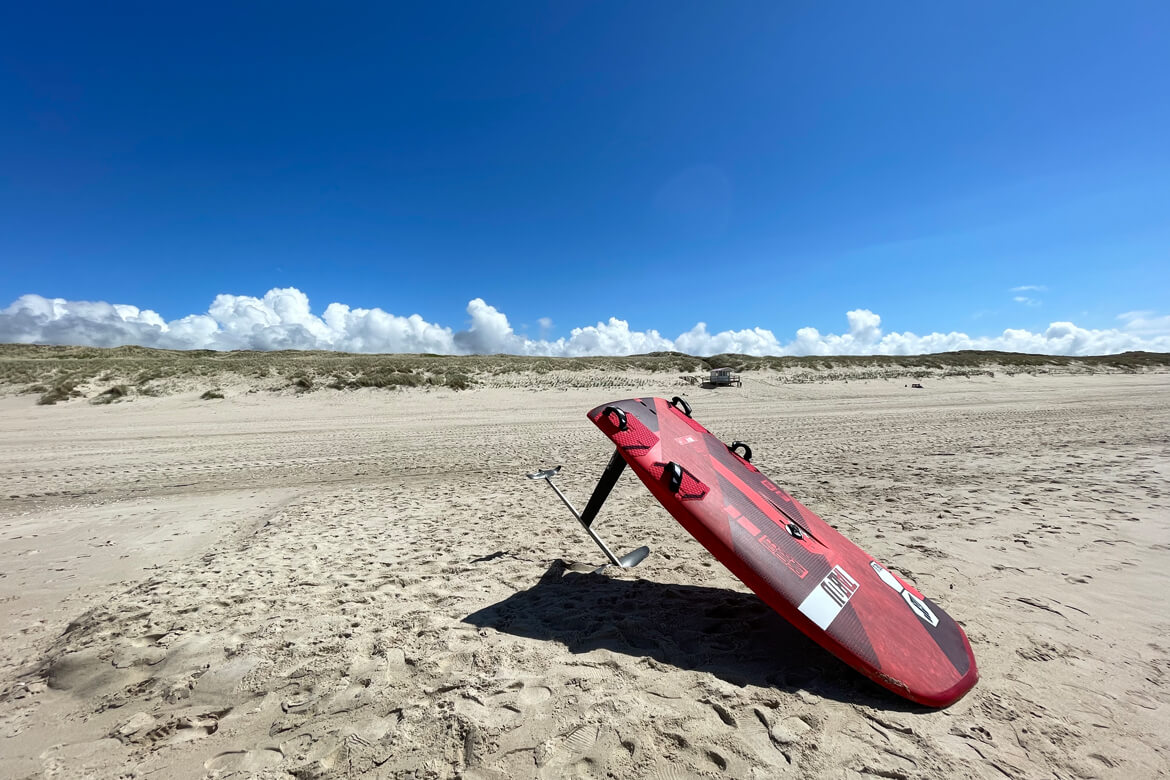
(489, 332)
(1145, 323)
(697, 341)
(605, 338)
(283, 319)
(1028, 300)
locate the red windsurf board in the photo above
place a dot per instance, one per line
(836, 593)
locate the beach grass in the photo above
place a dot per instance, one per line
(107, 375)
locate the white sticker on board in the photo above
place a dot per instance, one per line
(829, 597)
(917, 605)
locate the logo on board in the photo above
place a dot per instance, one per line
(829, 597)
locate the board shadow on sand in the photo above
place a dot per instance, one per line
(729, 634)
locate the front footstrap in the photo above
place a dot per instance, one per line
(747, 451)
(679, 481)
(621, 417)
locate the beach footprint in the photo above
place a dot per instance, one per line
(563, 748)
(533, 695)
(244, 760)
(175, 729)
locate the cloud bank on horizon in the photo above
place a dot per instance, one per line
(282, 319)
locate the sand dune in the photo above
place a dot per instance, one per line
(363, 584)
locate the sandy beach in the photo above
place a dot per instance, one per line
(363, 584)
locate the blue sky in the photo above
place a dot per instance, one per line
(748, 165)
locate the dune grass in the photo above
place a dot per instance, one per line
(61, 373)
(110, 396)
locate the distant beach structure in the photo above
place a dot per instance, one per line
(724, 377)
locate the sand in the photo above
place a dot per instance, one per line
(364, 585)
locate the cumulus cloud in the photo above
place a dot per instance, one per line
(283, 319)
(698, 341)
(1145, 323)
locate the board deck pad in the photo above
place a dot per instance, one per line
(828, 587)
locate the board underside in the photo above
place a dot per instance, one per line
(828, 587)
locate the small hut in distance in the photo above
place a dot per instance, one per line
(723, 377)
